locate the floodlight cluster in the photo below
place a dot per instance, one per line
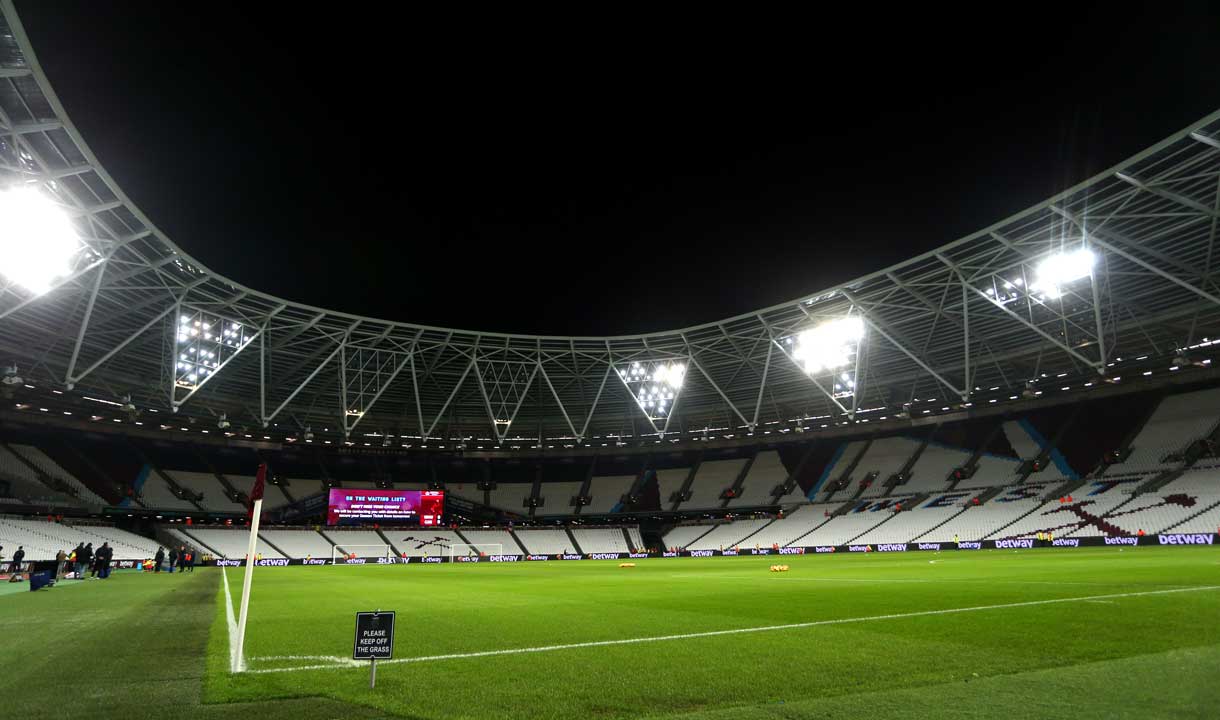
(654, 385)
(203, 344)
(1058, 270)
(37, 240)
(828, 347)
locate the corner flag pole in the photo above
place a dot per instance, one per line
(256, 496)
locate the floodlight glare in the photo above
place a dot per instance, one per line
(828, 346)
(37, 240)
(1058, 270)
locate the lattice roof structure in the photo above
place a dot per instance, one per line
(139, 317)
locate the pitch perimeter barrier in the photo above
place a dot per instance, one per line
(1166, 539)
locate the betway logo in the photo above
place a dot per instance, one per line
(1122, 540)
(637, 556)
(267, 562)
(728, 552)
(603, 556)
(1017, 543)
(929, 546)
(503, 558)
(794, 551)
(228, 563)
(313, 561)
(970, 545)
(859, 548)
(572, 557)
(702, 553)
(537, 557)
(760, 551)
(670, 554)
(817, 549)
(892, 547)
(432, 559)
(1181, 539)
(354, 561)
(1066, 542)
(467, 558)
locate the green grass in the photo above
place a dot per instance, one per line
(164, 641)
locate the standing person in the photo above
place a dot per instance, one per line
(158, 559)
(84, 561)
(190, 560)
(173, 559)
(15, 566)
(104, 553)
(182, 559)
(61, 560)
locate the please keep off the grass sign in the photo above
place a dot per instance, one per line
(374, 636)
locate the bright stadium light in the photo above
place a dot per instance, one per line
(828, 346)
(1058, 270)
(37, 240)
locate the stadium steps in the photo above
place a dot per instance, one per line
(387, 541)
(42, 477)
(1019, 518)
(747, 537)
(273, 547)
(1192, 517)
(792, 542)
(1065, 489)
(224, 481)
(627, 539)
(844, 508)
(937, 525)
(1159, 481)
(200, 543)
(741, 477)
(888, 517)
(520, 544)
(572, 537)
(987, 494)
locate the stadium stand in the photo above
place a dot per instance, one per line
(229, 543)
(546, 541)
(52, 469)
(492, 537)
(885, 456)
(298, 543)
(418, 542)
(601, 540)
(273, 496)
(931, 471)
(350, 541)
(155, 493)
(765, 473)
(206, 485)
(42, 539)
(558, 497)
(845, 528)
(606, 493)
(670, 481)
(730, 534)
(682, 535)
(712, 478)
(1177, 421)
(510, 496)
(908, 524)
(793, 525)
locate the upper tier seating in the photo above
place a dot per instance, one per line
(511, 497)
(765, 473)
(558, 497)
(53, 469)
(885, 456)
(606, 492)
(669, 481)
(712, 478)
(1177, 421)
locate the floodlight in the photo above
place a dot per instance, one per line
(1058, 270)
(37, 240)
(828, 346)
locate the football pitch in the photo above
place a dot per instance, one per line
(1089, 632)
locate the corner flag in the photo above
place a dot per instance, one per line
(260, 487)
(255, 512)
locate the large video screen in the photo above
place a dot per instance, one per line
(354, 506)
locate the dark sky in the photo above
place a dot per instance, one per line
(604, 174)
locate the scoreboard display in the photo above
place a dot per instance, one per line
(357, 506)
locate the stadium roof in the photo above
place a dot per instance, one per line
(1120, 266)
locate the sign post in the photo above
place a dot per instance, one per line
(374, 640)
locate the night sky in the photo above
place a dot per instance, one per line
(560, 174)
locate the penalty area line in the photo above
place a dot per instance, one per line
(738, 631)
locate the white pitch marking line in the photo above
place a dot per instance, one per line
(234, 661)
(742, 631)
